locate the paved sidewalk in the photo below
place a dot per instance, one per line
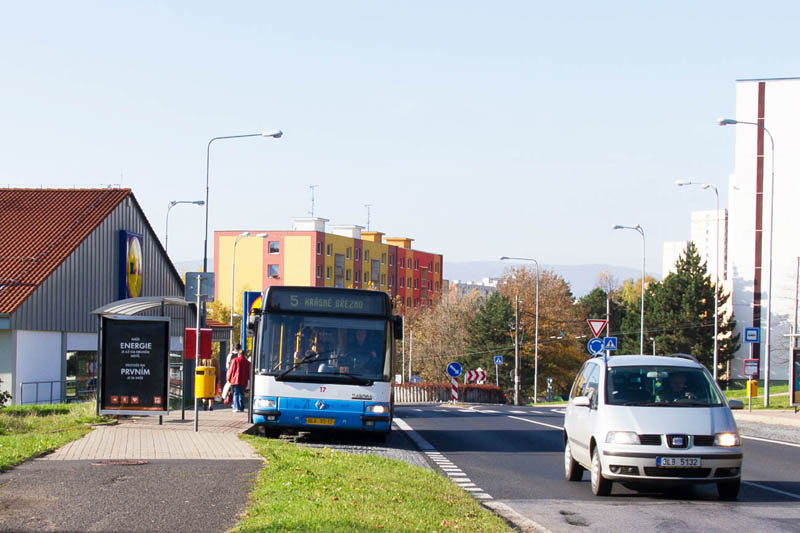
(143, 438)
(777, 417)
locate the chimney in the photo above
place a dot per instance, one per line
(309, 224)
(400, 242)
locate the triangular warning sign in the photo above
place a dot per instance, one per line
(596, 325)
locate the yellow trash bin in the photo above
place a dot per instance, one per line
(752, 388)
(204, 380)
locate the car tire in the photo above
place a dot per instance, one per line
(600, 485)
(729, 490)
(573, 471)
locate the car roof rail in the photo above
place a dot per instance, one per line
(685, 356)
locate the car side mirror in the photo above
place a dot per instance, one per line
(735, 404)
(397, 323)
(581, 401)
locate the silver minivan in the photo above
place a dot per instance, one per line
(643, 419)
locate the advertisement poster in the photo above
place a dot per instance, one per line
(131, 259)
(252, 300)
(794, 385)
(134, 362)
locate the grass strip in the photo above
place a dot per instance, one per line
(313, 489)
(30, 430)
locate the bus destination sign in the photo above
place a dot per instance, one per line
(360, 303)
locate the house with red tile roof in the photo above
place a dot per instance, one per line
(64, 253)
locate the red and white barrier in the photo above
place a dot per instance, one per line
(454, 389)
(478, 376)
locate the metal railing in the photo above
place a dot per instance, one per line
(58, 391)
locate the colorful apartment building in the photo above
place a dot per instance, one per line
(310, 256)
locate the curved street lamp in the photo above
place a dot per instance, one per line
(706, 186)
(172, 204)
(536, 339)
(638, 228)
(732, 122)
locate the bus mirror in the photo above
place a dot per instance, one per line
(252, 321)
(397, 322)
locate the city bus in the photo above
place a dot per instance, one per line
(322, 359)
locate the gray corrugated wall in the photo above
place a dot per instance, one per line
(87, 279)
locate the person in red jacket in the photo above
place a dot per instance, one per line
(238, 375)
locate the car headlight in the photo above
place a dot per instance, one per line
(264, 403)
(378, 409)
(622, 437)
(726, 439)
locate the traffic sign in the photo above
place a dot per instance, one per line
(596, 325)
(498, 360)
(199, 282)
(595, 346)
(752, 335)
(610, 343)
(475, 375)
(454, 369)
(750, 367)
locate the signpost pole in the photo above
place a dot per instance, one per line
(496, 375)
(196, 354)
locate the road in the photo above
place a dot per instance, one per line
(512, 457)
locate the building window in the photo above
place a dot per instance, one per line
(437, 285)
(366, 277)
(416, 302)
(347, 273)
(391, 280)
(274, 247)
(402, 282)
(430, 285)
(383, 259)
(391, 259)
(430, 267)
(383, 279)
(328, 272)
(273, 271)
(329, 249)
(357, 276)
(409, 262)
(436, 267)
(416, 284)
(358, 254)
(366, 255)
(349, 252)
(319, 248)
(408, 301)
(408, 282)
(416, 264)
(319, 271)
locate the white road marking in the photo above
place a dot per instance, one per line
(535, 422)
(473, 489)
(466, 411)
(418, 410)
(792, 444)
(519, 412)
(559, 411)
(466, 482)
(760, 486)
(421, 443)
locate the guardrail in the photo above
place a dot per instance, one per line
(440, 392)
(58, 391)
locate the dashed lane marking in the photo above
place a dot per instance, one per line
(764, 487)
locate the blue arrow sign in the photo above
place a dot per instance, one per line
(595, 346)
(454, 369)
(610, 343)
(752, 335)
(498, 360)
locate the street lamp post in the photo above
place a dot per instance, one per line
(233, 271)
(639, 228)
(731, 122)
(172, 204)
(683, 183)
(536, 334)
(274, 134)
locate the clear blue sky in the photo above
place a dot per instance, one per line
(479, 129)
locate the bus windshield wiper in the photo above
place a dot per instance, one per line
(308, 358)
(358, 380)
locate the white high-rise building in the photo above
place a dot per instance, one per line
(704, 236)
(671, 251)
(775, 105)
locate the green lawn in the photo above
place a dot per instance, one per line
(31, 430)
(311, 489)
(779, 397)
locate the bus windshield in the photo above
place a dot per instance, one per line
(310, 348)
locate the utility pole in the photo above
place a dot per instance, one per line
(410, 351)
(312, 187)
(516, 350)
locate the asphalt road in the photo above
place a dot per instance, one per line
(514, 455)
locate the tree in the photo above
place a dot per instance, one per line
(489, 333)
(679, 313)
(593, 305)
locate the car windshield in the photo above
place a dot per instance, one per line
(661, 386)
(295, 347)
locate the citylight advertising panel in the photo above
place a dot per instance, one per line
(131, 260)
(252, 300)
(794, 381)
(134, 362)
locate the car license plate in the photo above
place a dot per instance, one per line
(321, 421)
(678, 462)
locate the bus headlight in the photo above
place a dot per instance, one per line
(264, 403)
(726, 439)
(378, 409)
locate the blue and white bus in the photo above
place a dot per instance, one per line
(323, 360)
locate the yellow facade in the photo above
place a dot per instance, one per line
(297, 260)
(249, 266)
